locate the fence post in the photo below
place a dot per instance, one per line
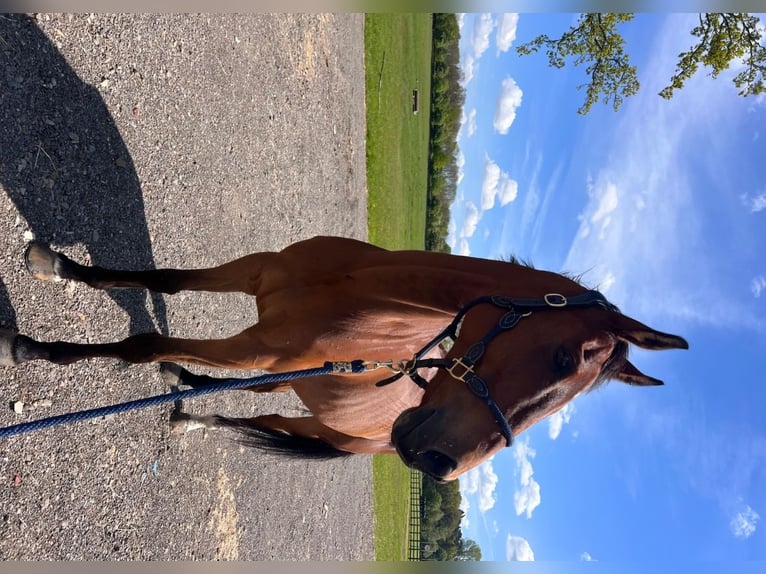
(416, 494)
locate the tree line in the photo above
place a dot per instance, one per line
(440, 534)
(447, 99)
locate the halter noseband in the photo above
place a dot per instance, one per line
(462, 369)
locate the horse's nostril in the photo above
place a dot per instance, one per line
(436, 464)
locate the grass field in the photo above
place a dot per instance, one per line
(397, 60)
(391, 493)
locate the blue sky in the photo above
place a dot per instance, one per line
(661, 205)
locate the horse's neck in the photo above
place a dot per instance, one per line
(444, 283)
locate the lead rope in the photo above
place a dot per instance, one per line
(226, 384)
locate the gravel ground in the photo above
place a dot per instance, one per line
(169, 141)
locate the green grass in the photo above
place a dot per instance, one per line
(397, 60)
(391, 507)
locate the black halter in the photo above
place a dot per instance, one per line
(462, 368)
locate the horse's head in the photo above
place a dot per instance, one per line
(529, 361)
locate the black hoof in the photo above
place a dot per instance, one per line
(7, 344)
(42, 262)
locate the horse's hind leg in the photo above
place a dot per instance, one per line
(242, 274)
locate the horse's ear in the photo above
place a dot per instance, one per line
(637, 333)
(630, 375)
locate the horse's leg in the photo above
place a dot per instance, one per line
(247, 350)
(274, 432)
(175, 375)
(242, 274)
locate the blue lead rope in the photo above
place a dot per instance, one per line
(219, 386)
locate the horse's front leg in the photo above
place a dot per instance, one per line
(243, 351)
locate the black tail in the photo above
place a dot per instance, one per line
(280, 443)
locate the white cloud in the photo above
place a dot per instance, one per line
(757, 285)
(460, 20)
(586, 557)
(469, 68)
(463, 247)
(460, 163)
(604, 201)
(527, 496)
(506, 31)
(744, 523)
(518, 549)
(471, 220)
(471, 122)
(488, 483)
(607, 280)
(451, 233)
(465, 505)
(507, 103)
(480, 482)
(755, 204)
(482, 29)
(557, 420)
(496, 183)
(607, 203)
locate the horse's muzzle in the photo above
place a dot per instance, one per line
(411, 437)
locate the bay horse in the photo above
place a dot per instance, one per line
(526, 342)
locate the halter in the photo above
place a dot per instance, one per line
(462, 369)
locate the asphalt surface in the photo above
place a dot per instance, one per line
(168, 141)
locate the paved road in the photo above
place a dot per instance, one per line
(160, 141)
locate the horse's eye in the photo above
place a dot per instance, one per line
(563, 362)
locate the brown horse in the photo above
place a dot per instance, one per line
(529, 341)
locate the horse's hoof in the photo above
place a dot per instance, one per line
(181, 423)
(171, 374)
(42, 262)
(7, 344)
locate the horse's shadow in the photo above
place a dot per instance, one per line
(65, 167)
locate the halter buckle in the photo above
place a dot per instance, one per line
(555, 300)
(458, 363)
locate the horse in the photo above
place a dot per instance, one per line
(524, 342)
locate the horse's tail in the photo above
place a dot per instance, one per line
(278, 442)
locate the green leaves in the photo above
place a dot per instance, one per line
(723, 39)
(593, 41)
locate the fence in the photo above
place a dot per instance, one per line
(416, 491)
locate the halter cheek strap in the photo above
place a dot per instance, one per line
(462, 368)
